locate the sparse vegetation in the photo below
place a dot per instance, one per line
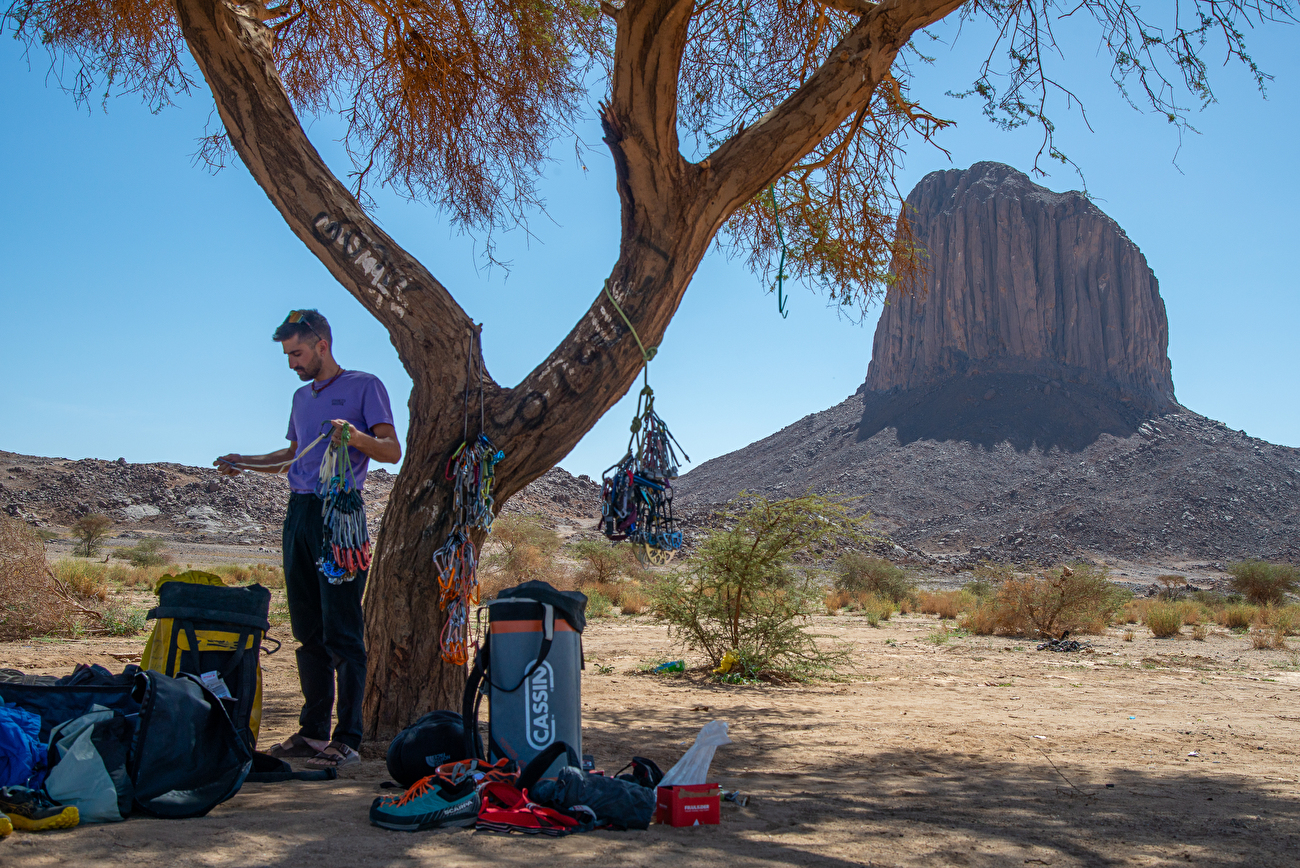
(84, 579)
(122, 621)
(1164, 620)
(1235, 617)
(1267, 638)
(1200, 632)
(29, 605)
(147, 552)
(946, 604)
(744, 593)
(1263, 583)
(89, 531)
(266, 575)
(521, 548)
(861, 574)
(1080, 599)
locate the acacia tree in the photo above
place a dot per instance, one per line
(797, 110)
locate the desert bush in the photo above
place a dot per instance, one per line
(1267, 638)
(980, 588)
(1128, 636)
(266, 575)
(743, 592)
(1080, 599)
(1235, 617)
(89, 531)
(1164, 620)
(874, 609)
(602, 562)
(993, 574)
(1263, 583)
(1200, 632)
(122, 621)
(1281, 618)
(861, 574)
(946, 604)
(836, 600)
(82, 578)
(145, 553)
(598, 605)
(29, 605)
(633, 601)
(521, 548)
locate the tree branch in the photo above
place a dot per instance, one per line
(233, 49)
(842, 85)
(853, 7)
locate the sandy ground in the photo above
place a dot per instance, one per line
(936, 751)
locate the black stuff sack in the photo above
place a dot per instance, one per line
(187, 756)
(436, 738)
(615, 803)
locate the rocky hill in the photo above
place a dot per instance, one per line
(184, 503)
(1020, 405)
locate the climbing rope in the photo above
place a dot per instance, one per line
(471, 470)
(345, 550)
(637, 492)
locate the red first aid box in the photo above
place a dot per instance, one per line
(699, 805)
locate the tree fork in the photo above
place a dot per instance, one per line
(671, 210)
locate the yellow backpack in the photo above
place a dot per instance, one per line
(215, 632)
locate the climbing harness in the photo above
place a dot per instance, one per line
(471, 469)
(637, 492)
(345, 550)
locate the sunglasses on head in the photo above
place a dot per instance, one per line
(299, 317)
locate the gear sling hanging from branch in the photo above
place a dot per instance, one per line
(471, 469)
(637, 492)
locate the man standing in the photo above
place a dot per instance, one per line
(326, 618)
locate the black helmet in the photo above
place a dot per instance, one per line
(436, 738)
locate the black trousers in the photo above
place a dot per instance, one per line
(327, 620)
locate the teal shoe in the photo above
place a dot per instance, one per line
(428, 804)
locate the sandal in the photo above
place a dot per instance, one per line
(297, 748)
(335, 756)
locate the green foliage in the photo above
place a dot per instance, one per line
(598, 605)
(122, 621)
(857, 573)
(743, 592)
(1263, 583)
(601, 563)
(89, 531)
(145, 553)
(1164, 620)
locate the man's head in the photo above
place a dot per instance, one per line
(305, 336)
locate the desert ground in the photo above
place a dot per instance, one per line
(937, 748)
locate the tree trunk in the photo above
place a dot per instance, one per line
(671, 211)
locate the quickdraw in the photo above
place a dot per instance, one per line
(637, 492)
(346, 547)
(471, 469)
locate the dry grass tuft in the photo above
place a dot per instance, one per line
(1128, 636)
(1235, 617)
(1267, 639)
(1200, 632)
(633, 601)
(946, 604)
(266, 575)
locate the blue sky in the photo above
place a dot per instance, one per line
(140, 291)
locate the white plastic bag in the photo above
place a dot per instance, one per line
(693, 768)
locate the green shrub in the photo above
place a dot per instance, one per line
(1263, 583)
(598, 605)
(1164, 620)
(861, 574)
(122, 621)
(521, 548)
(145, 553)
(743, 592)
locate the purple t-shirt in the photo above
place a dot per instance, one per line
(356, 397)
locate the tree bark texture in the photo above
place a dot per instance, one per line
(671, 210)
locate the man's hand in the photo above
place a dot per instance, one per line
(382, 446)
(226, 464)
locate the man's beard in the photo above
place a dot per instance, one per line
(309, 370)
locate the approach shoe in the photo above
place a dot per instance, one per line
(428, 804)
(34, 811)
